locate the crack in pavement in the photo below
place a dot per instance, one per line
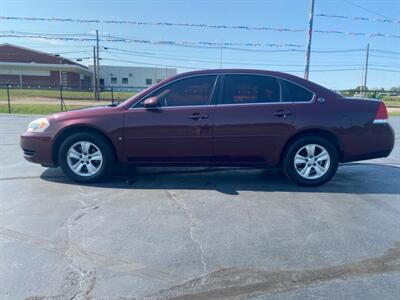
(236, 283)
(191, 220)
(113, 263)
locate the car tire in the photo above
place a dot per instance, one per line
(86, 157)
(310, 160)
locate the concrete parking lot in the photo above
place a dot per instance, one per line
(197, 233)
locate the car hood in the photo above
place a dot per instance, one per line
(82, 112)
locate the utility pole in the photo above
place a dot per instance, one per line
(310, 31)
(94, 73)
(220, 57)
(98, 66)
(366, 71)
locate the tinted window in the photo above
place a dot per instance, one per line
(149, 81)
(125, 80)
(239, 89)
(190, 91)
(114, 80)
(294, 93)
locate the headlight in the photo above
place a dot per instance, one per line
(38, 125)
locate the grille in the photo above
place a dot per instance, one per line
(28, 152)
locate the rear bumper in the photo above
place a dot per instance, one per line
(365, 156)
(37, 148)
(376, 142)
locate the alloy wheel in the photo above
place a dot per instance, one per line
(84, 158)
(312, 161)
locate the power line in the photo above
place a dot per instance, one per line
(385, 70)
(150, 64)
(194, 59)
(365, 9)
(385, 51)
(195, 68)
(383, 56)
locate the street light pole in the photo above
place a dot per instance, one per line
(310, 31)
(97, 65)
(94, 73)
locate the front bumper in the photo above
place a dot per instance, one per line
(37, 148)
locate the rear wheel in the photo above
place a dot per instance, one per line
(86, 157)
(310, 161)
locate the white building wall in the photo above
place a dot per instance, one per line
(121, 77)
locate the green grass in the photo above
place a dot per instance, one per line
(69, 95)
(38, 109)
(392, 101)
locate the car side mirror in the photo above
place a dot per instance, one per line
(151, 102)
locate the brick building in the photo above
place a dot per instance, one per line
(23, 66)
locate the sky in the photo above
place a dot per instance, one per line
(340, 70)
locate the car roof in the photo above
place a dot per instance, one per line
(314, 87)
(231, 71)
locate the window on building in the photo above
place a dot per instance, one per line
(114, 80)
(243, 89)
(124, 80)
(159, 80)
(149, 81)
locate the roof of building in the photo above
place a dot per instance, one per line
(17, 54)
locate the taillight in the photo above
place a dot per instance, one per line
(381, 115)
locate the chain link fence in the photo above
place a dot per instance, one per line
(45, 99)
(42, 99)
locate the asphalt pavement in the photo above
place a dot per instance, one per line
(197, 233)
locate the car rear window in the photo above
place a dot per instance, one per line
(294, 93)
(243, 89)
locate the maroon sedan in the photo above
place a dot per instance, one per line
(219, 118)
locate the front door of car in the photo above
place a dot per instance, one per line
(250, 120)
(178, 129)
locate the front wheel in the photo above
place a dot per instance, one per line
(85, 157)
(311, 161)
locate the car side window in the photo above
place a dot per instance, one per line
(244, 89)
(292, 92)
(185, 92)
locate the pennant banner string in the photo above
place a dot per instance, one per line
(162, 42)
(380, 20)
(150, 23)
(198, 25)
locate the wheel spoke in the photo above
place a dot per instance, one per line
(91, 168)
(306, 171)
(96, 156)
(322, 156)
(300, 159)
(77, 167)
(85, 147)
(72, 153)
(310, 150)
(319, 169)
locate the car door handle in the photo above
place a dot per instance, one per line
(197, 116)
(282, 113)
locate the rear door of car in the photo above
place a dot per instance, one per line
(177, 131)
(251, 122)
